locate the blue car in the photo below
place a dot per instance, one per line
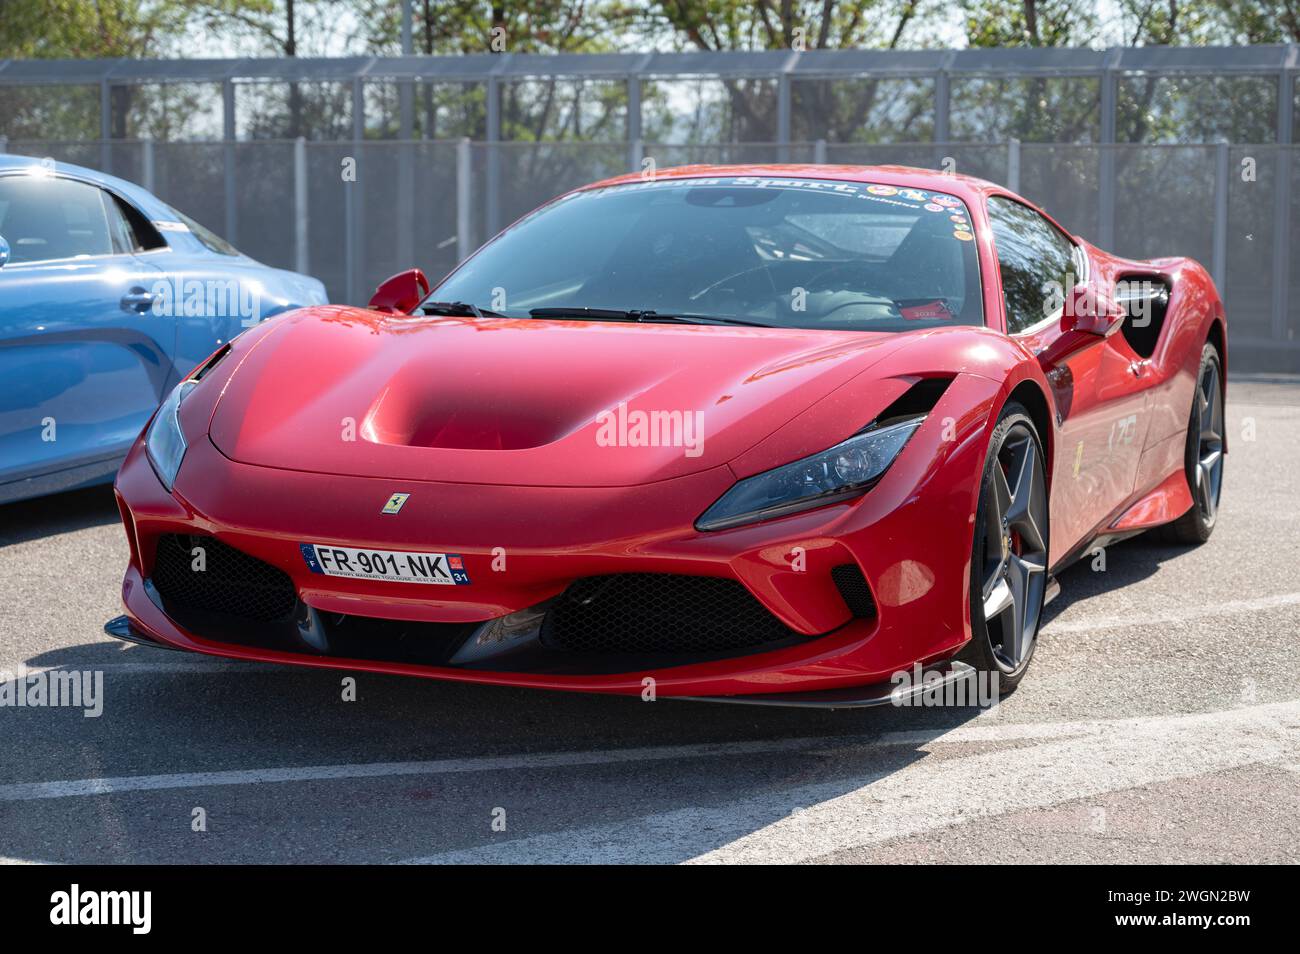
(108, 296)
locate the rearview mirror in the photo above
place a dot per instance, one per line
(1088, 315)
(401, 293)
(4, 251)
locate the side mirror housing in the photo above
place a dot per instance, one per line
(1088, 315)
(4, 251)
(401, 293)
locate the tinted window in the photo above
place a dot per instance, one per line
(798, 253)
(1036, 260)
(132, 232)
(43, 217)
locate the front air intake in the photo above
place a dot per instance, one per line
(230, 582)
(650, 613)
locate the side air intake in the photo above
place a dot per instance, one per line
(855, 592)
(920, 398)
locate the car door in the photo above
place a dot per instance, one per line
(83, 359)
(1100, 404)
(213, 292)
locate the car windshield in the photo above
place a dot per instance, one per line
(790, 253)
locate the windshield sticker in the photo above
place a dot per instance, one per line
(937, 309)
(904, 198)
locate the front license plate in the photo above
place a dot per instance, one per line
(447, 569)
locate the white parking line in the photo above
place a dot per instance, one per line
(810, 821)
(25, 791)
(975, 731)
(1173, 615)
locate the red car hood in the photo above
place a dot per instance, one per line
(529, 402)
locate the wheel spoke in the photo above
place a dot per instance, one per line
(1026, 499)
(1205, 484)
(999, 600)
(995, 557)
(1002, 498)
(1019, 575)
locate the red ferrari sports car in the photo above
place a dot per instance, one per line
(763, 433)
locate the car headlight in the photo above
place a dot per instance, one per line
(164, 442)
(846, 470)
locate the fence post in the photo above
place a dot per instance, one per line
(1219, 260)
(493, 146)
(464, 200)
(300, 204)
(1106, 173)
(355, 209)
(1282, 199)
(819, 152)
(105, 127)
(146, 165)
(228, 160)
(4, 145)
(1013, 164)
(783, 118)
(942, 107)
(634, 146)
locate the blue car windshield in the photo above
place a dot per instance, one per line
(791, 253)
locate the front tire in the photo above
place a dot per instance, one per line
(1009, 552)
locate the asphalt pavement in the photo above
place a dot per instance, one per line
(1160, 723)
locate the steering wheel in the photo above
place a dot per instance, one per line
(732, 277)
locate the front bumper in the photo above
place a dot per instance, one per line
(524, 545)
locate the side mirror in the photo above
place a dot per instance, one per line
(401, 293)
(1088, 315)
(4, 251)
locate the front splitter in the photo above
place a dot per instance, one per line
(934, 679)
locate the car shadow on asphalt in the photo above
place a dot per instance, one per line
(57, 513)
(1126, 563)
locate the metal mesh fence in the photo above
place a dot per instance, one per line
(428, 203)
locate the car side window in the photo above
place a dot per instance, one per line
(47, 218)
(1036, 259)
(131, 230)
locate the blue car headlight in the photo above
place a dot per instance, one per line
(846, 470)
(164, 443)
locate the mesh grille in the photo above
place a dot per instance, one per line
(660, 613)
(232, 583)
(854, 590)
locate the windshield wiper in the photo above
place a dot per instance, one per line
(457, 309)
(649, 316)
